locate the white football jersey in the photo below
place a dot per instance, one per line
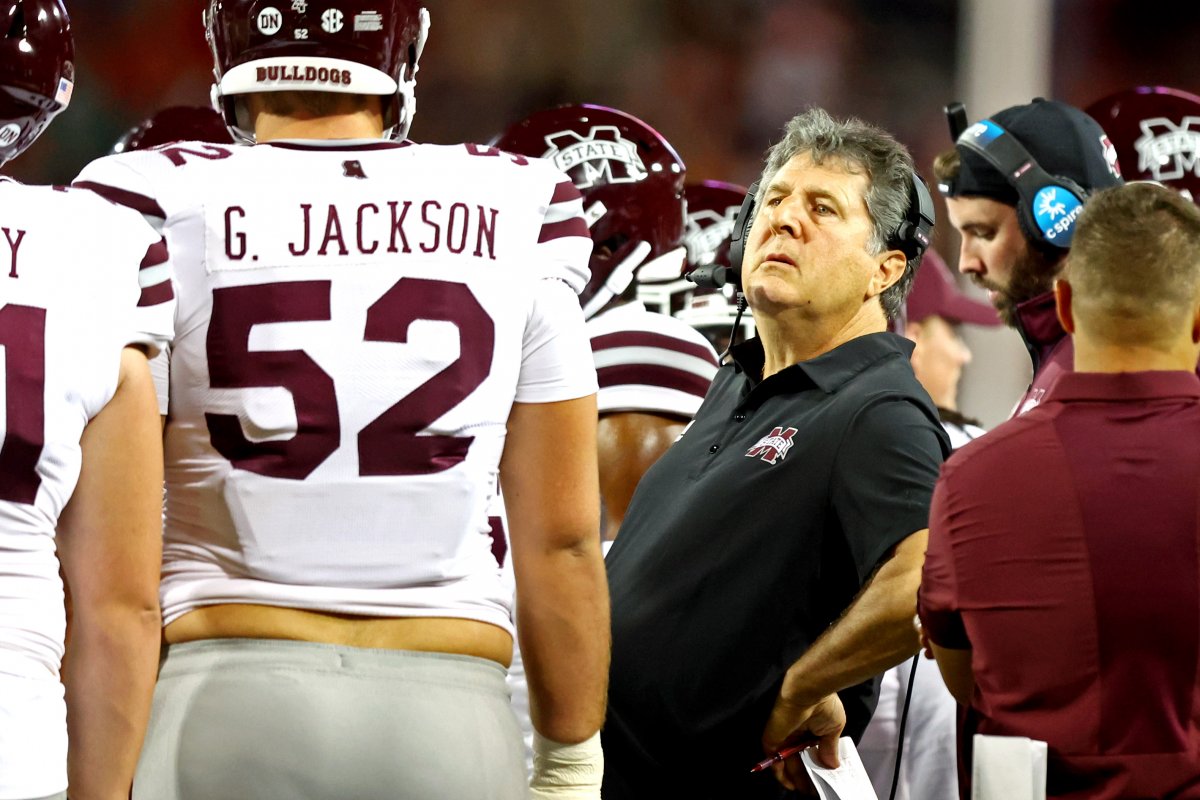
(649, 362)
(355, 322)
(80, 278)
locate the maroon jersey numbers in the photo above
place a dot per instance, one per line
(23, 335)
(394, 444)
(493, 152)
(209, 152)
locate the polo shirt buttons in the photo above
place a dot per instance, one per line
(739, 417)
(714, 448)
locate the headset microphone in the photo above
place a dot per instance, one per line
(714, 276)
(956, 118)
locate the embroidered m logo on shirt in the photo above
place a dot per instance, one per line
(774, 446)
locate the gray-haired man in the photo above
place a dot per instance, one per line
(770, 559)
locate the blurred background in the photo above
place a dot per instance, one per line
(717, 77)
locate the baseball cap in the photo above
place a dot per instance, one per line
(1062, 139)
(934, 294)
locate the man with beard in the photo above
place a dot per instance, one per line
(1016, 231)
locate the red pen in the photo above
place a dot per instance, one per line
(785, 754)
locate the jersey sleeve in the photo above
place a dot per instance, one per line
(556, 362)
(119, 180)
(886, 468)
(153, 319)
(663, 371)
(564, 245)
(116, 180)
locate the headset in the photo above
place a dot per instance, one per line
(911, 237)
(1048, 206)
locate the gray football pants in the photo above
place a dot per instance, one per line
(256, 719)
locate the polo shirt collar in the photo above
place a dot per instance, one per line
(1124, 386)
(828, 371)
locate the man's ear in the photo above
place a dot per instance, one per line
(1196, 327)
(891, 269)
(1062, 304)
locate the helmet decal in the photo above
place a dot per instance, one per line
(599, 156)
(707, 230)
(1154, 132)
(632, 185)
(1168, 150)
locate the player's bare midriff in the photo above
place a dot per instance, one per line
(426, 634)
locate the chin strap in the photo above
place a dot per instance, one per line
(660, 280)
(618, 280)
(407, 91)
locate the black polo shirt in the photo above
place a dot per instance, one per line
(744, 542)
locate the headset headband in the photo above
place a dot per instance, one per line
(1048, 205)
(912, 237)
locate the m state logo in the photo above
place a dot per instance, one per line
(774, 446)
(1168, 151)
(706, 232)
(600, 157)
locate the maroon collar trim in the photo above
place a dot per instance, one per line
(1124, 386)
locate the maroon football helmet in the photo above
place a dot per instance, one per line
(1156, 133)
(37, 70)
(176, 124)
(328, 46)
(712, 210)
(632, 184)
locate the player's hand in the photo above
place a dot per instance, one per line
(566, 771)
(789, 721)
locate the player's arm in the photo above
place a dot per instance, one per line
(629, 443)
(550, 492)
(548, 471)
(110, 544)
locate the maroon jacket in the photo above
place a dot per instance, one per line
(1052, 350)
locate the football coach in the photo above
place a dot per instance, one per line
(768, 567)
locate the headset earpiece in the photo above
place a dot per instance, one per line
(741, 230)
(912, 236)
(1047, 205)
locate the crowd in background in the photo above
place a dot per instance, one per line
(712, 76)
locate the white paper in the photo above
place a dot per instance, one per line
(1008, 768)
(848, 782)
